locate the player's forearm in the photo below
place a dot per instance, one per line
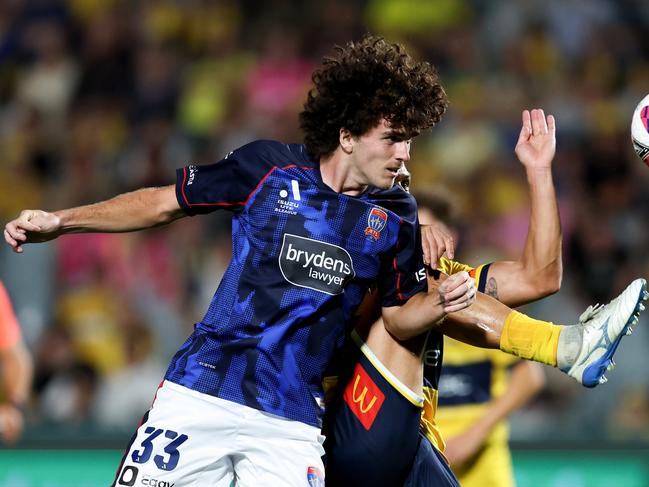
(423, 311)
(419, 314)
(538, 272)
(479, 325)
(526, 380)
(16, 368)
(524, 383)
(541, 257)
(144, 208)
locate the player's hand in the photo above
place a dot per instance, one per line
(31, 226)
(457, 292)
(463, 447)
(536, 143)
(11, 423)
(436, 240)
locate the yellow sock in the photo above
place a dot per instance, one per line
(530, 339)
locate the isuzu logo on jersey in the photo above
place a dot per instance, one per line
(284, 204)
(313, 264)
(376, 221)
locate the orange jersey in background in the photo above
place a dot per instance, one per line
(9, 329)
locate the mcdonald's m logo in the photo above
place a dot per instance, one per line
(363, 397)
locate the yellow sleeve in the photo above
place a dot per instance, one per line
(479, 274)
(452, 267)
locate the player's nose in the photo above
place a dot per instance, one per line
(403, 151)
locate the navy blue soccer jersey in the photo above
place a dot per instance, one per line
(303, 257)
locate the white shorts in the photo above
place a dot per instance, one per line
(190, 438)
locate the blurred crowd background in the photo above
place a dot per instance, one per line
(99, 97)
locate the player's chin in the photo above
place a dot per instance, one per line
(385, 183)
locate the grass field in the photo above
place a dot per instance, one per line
(534, 468)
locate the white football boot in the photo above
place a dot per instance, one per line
(602, 329)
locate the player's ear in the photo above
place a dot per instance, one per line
(345, 139)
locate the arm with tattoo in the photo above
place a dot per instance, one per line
(538, 272)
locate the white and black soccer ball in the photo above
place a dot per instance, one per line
(640, 130)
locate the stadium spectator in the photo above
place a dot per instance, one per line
(15, 372)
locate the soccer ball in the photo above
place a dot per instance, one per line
(640, 130)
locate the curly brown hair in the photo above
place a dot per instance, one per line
(363, 83)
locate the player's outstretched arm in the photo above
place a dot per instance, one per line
(424, 310)
(538, 272)
(144, 208)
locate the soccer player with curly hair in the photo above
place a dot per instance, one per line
(242, 398)
(314, 226)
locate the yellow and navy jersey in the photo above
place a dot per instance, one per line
(303, 257)
(472, 378)
(435, 357)
(432, 355)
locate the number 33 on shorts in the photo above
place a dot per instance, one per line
(143, 454)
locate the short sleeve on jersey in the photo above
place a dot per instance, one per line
(403, 275)
(9, 329)
(228, 183)
(479, 274)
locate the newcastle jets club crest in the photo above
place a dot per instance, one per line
(376, 221)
